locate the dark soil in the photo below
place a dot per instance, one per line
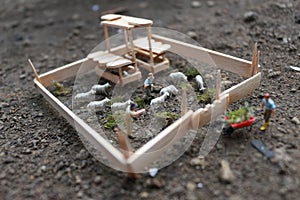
(42, 156)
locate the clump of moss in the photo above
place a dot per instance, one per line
(115, 99)
(241, 114)
(191, 71)
(59, 89)
(207, 97)
(111, 121)
(140, 102)
(169, 117)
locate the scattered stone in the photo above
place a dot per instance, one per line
(144, 195)
(200, 185)
(26, 43)
(97, 179)
(153, 172)
(155, 183)
(250, 16)
(195, 4)
(210, 3)
(22, 76)
(297, 17)
(191, 186)
(26, 151)
(95, 7)
(143, 5)
(295, 120)
(281, 155)
(274, 74)
(90, 37)
(199, 161)
(226, 174)
(295, 68)
(192, 34)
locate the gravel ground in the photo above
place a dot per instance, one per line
(42, 157)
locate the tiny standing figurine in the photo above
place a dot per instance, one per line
(131, 110)
(148, 83)
(269, 106)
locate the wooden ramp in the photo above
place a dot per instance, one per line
(115, 68)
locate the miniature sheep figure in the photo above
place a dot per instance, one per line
(95, 106)
(178, 77)
(85, 96)
(159, 99)
(171, 89)
(199, 81)
(120, 105)
(101, 89)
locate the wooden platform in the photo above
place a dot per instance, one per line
(121, 80)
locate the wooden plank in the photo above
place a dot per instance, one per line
(243, 89)
(107, 75)
(114, 155)
(164, 140)
(220, 60)
(120, 62)
(67, 71)
(34, 71)
(110, 17)
(117, 24)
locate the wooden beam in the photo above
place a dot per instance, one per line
(114, 155)
(218, 84)
(106, 38)
(67, 71)
(160, 143)
(220, 60)
(34, 71)
(243, 89)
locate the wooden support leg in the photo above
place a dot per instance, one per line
(150, 46)
(106, 38)
(132, 49)
(126, 150)
(34, 71)
(254, 64)
(218, 84)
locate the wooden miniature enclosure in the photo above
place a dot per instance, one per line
(192, 119)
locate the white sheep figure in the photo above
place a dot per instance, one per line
(85, 96)
(101, 89)
(178, 77)
(199, 81)
(95, 106)
(120, 105)
(160, 99)
(171, 89)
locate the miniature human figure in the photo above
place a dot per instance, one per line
(148, 83)
(131, 110)
(269, 106)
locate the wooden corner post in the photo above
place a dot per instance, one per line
(255, 57)
(34, 71)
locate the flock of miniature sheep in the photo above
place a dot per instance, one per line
(92, 107)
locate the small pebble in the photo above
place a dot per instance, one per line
(250, 16)
(210, 3)
(95, 7)
(295, 120)
(195, 4)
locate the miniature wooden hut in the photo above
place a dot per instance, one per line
(145, 52)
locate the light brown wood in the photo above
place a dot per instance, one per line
(110, 17)
(220, 60)
(243, 89)
(183, 102)
(125, 34)
(106, 38)
(254, 64)
(87, 132)
(132, 49)
(67, 71)
(218, 84)
(34, 71)
(164, 140)
(149, 45)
